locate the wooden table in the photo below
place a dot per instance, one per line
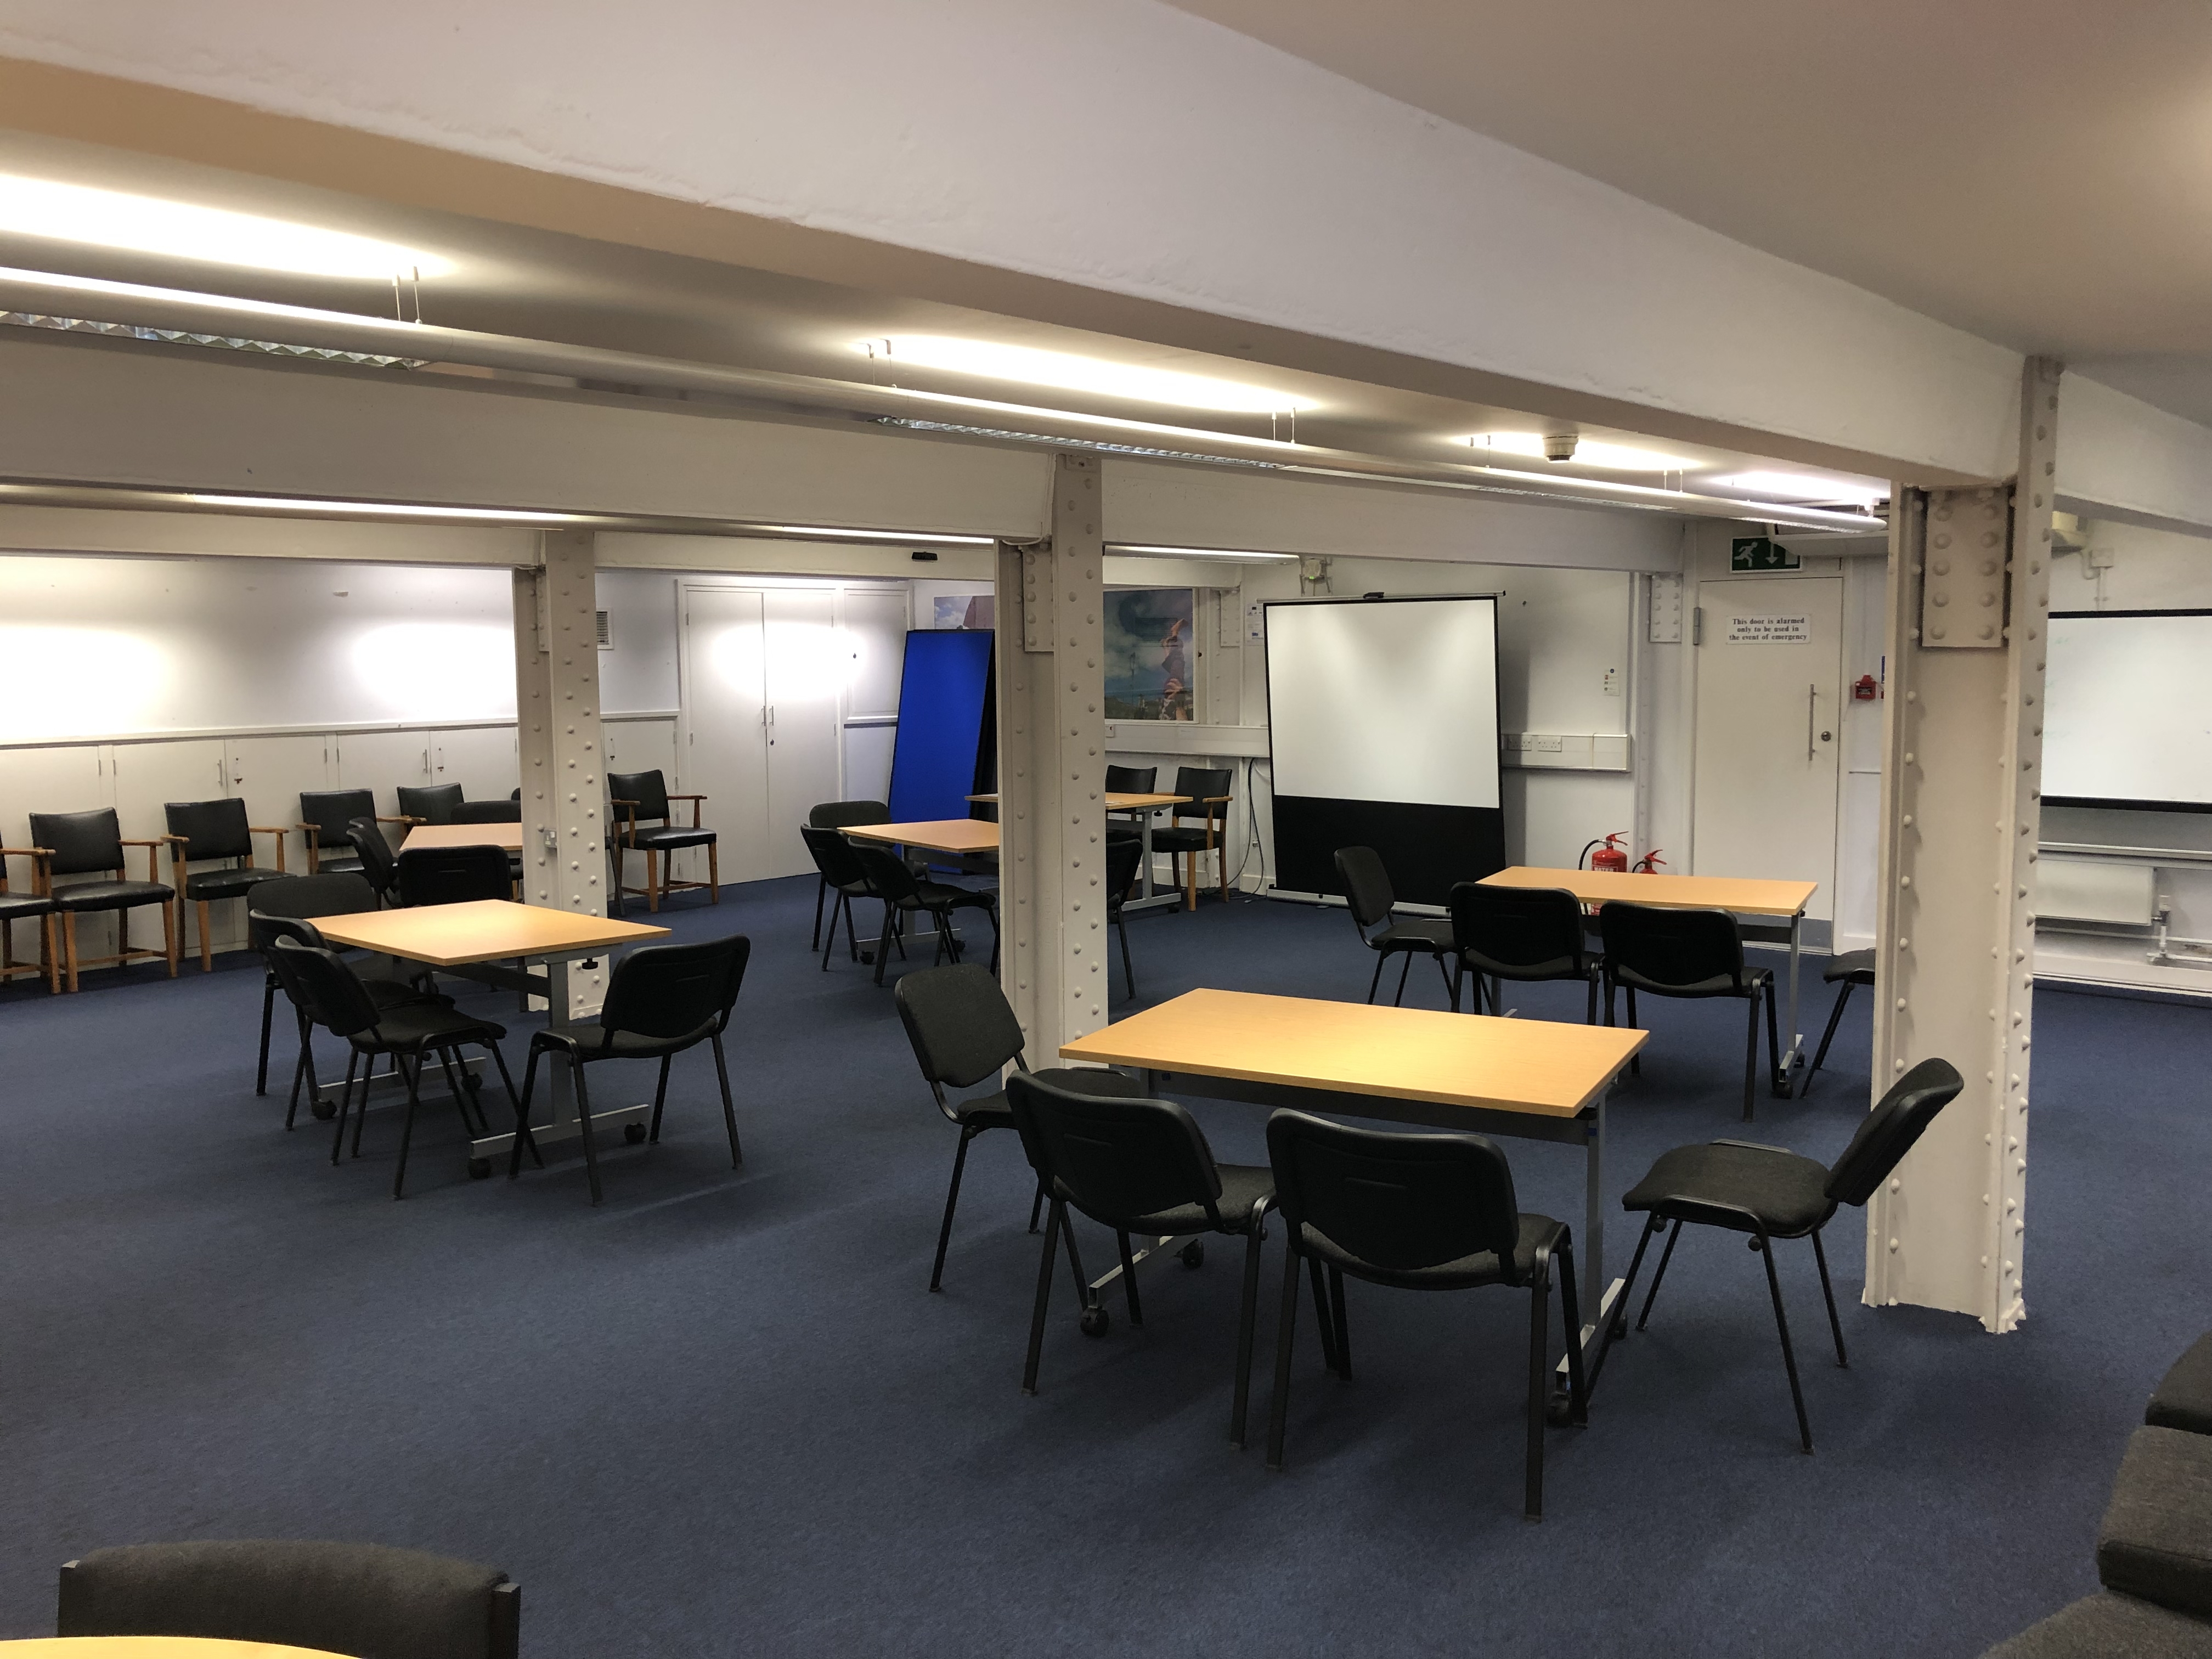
(507, 835)
(1533, 1079)
(477, 941)
(968, 837)
(1144, 806)
(150, 1647)
(1783, 902)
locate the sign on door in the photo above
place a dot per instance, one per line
(1770, 630)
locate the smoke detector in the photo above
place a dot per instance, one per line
(1560, 445)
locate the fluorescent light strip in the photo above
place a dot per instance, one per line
(387, 509)
(1225, 555)
(831, 533)
(1812, 517)
(1589, 452)
(1066, 371)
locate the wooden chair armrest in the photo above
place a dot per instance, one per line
(1219, 800)
(26, 852)
(275, 830)
(409, 823)
(151, 841)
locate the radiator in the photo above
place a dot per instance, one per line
(2095, 890)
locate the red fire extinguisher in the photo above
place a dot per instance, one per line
(1608, 854)
(1649, 863)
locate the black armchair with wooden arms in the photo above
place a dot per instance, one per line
(202, 830)
(648, 826)
(91, 844)
(31, 904)
(325, 815)
(1209, 791)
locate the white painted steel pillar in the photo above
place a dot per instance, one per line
(1055, 964)
(1969, 602)
(556, 701)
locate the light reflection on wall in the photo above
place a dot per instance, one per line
(88, 681)
(437, 671)
(809, 662)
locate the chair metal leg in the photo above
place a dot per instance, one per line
(1286, 1319)
(406, 1129)
(1652, 1295)
(1751, 1052)
(1765, 1249)
(660, 1099)
(821, 892)
(1571, 1313)
(522, 1136)
(1540, 1390)
(1324, 1315)
(1828, 1295)
(1043, 1295)
(1337, 1309)
(952, 1203)
(1619, 1326)
(1590, 1017)
(883, 940)
(469, 1125)
(584, 1122)
(1036, 1205)
(1128, 973)
(1835, 1019)
(729, 1110)
(1128, 1277)
(842, 907)
(345, 1102)
(1774, 1046)
(1247, 1317)
(1451, 985)
(1375, 984)
(522, 1114)
(1399, 1001)
(268, 1011)
(305, 1067)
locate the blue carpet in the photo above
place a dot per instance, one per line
(721, 1415)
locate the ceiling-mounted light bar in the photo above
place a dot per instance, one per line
(1227, 556)
(1066, 371)
(384, 509)
(900, 538)
(1583, 452)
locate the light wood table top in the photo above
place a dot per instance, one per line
(1529, 1066)
(487, 930)
(508, 835)
(1115, 801)
(1744, 896)
(934, 835)
(150, 1647)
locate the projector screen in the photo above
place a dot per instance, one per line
(2128, 710)
(1383, 719)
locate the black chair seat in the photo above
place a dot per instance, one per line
(1415, 933)
(15, 905)
(338, 864)
(1856, 966)
(1243, 1186)
(932, 895)
(111, 895)
(226, 884)
(1556, 968)
(991, 1111)
(2183, 1399)
(627, 1045)
(1714, 1184)
(1720, 985)
(663, 837)
(1537, 1233)
(425, 1024)
(1177, 838)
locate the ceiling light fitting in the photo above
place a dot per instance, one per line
(1226, 555)
(1067, 372)
(1583, 452)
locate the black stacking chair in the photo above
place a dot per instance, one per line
(488, 812)
(1772, 1194)
(661, 1000)
(1419, 1213)
(1129, 780)
(1141, 1166)
(325, 816)
(1688, 953)
(386, 987)
(905, 894)
(92, 843)
(837, 815)
(323, 986)
(1846, 970)
(373, 858)
(1208, 787)
(645, 796)
(454, 875)
(217, 829)
(1122, 857)
(1521, 933)
(834, 856)
(1369, 896)
(963, 1031)
(429, 803)
(367, 1600)
(33, 906)
(344, 893)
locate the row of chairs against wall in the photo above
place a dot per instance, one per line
(79, 862)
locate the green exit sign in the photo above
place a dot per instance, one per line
(1760, 553)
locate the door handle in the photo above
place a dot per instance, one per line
(1812, 702)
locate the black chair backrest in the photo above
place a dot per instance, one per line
(884, 872)
(1399, 1201)
(1671, 947)
(263, 931)
(323, 986)
(345, 894)
(648, 789)
(433, 803)
(668, 991)
(367, 1600)
(1509, 928)
(833, 854)
(1122, 857)
(1367, 888)
(367, 837)
(960, 1022)
(454, 875)
(1202, 784)
(1133, 779)
(1114, 1159)
(331, 810)
(81, 842)
(838, 814)
(1888, 1131)
(488, 812)
(211, 829)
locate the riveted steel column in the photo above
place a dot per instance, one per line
(556, 701)
(1969, 598)
(1052, 770)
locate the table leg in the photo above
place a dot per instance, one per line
(1145, 833)
(1600, 1296)
(1797, 1037)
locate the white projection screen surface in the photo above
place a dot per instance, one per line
(1383, 718)
(2128, 710)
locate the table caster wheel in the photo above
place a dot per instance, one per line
(1095, 1321)
(1557, 1411)
(480, 1169)
(324, 1111)
(1193, 1254)
(1619, 1331)
(634, 1133)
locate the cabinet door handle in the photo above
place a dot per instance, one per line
(1812, 701)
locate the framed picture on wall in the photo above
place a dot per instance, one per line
(1150, 652)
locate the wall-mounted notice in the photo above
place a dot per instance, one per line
(1770, 630)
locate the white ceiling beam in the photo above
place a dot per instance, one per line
(2124, 459)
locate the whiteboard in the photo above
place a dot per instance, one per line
(1385, 700)
(2128, 706)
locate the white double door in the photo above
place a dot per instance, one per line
(765, 673)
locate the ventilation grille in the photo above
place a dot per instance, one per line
(605, 634)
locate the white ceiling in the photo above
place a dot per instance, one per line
(2038, 172)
